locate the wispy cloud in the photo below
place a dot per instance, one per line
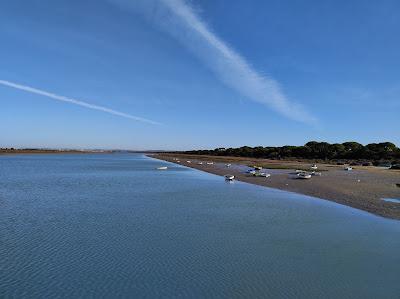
(180, 20)
(74, 101)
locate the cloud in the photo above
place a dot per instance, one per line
(74, 101)
(181, 21)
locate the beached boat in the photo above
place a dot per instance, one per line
(251, 171)
(314, 167)
(228, 165)
(229, 177)
(314, 173)
(200, 163)
(348, 168)
(257, 167)
(162, 168)
(177, 161)
(262, 174)
(188, 161)
(298, 171)
(210, 163)
(303, 175)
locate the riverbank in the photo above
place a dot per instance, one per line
(362, 188)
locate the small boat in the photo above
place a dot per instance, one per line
(316, 173)
(177, 161)
(200, 163)
(304, 175)
(229, 177)
(298, 171)
(262, 174)
(348, 168)
(162, 168)
(257, 167)
(228, 165)
(314, 167)
(251, 171)
(188, 161)
(210, 163)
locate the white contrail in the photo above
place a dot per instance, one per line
(74, 101)
(179, 19)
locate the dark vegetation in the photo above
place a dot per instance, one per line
(384, 153)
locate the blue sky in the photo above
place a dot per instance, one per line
(198, 74)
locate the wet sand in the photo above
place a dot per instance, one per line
(362, 188)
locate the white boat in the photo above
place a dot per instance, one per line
(229, 177)
(177, 161)
(348, 168)
(316, 173)
(262, 174)
(298, 171)
(228, 165)
(257, 167)
(210, 163)
(304, 175)
(162, 168)
(200, 163)
(188, 161)
(314, 167)
(251, 171)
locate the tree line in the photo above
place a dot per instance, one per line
(373, 152)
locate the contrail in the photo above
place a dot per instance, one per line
(181, 21)
(74, 101)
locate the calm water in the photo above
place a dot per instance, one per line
(113, 226)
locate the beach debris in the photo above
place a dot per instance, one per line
(162, 168)
(229, 177)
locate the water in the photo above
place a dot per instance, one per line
(112, 226)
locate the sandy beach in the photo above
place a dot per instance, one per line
(362, 188)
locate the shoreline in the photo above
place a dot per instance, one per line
(363, 188)
(43, 152)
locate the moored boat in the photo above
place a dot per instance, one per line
(303, 175)
(315, 173)
(262, 174)
(162, 168)
(229, 177)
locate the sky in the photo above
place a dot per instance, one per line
(176, 74)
